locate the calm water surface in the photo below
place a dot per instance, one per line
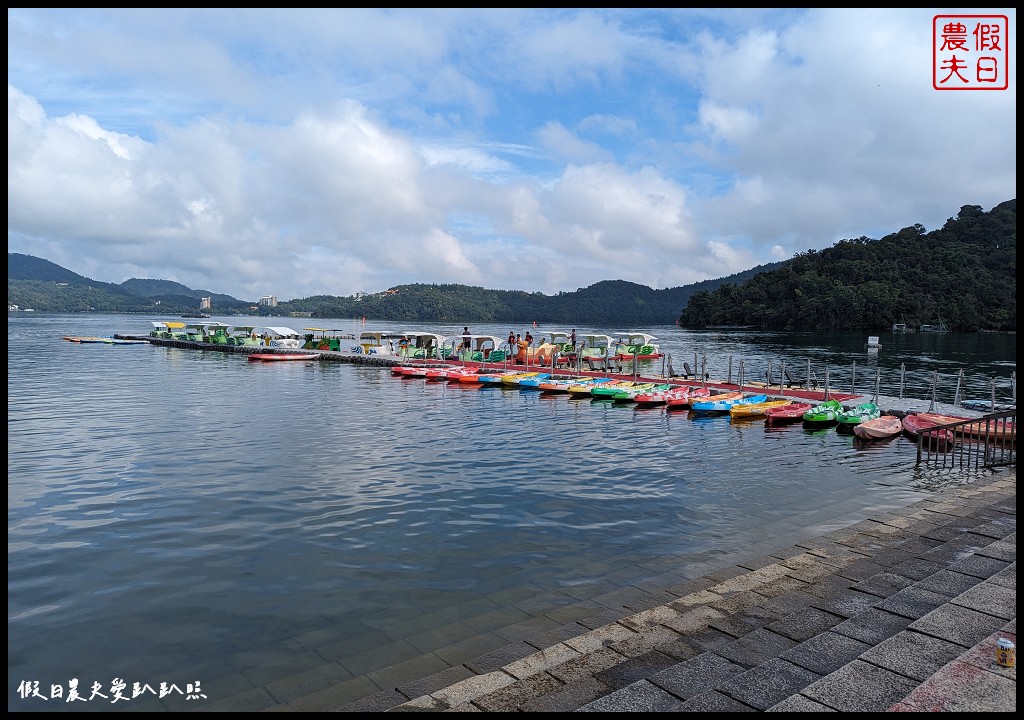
(179, 516)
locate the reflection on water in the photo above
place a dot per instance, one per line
(177, 515)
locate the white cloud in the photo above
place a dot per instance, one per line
(334, 151)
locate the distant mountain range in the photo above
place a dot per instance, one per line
(44, 286)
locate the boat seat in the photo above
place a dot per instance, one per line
(690, 374)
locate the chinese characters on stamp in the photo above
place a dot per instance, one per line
(970, 52)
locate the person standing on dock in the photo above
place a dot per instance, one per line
(466, 343)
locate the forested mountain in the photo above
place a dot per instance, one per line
(46, 287)
(963, 275)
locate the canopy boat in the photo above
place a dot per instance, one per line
(855, 416)
(170, 330)
(325, 339)
(717, 404)
(879, 428)
(419, 345)
(823, 413)
(482, 348)
(786, 413)
(376, 342)
(245, 335)
(552, 347)
(596, 350)
(281, 337)
(637, 345)
(752, 409)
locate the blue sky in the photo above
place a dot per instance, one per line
(307, 152)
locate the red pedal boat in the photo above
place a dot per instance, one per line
(786, 413)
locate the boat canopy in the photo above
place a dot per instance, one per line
(281, 331)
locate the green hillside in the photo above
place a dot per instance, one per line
(963, 275)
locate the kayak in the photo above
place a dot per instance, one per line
(823, 412)
(859, 414)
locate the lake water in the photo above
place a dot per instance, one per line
(179, 516)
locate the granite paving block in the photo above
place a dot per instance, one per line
(497, 659)
(741, 623)
(872, 626)
(989, 598)
(510, 697)
(961, 687)
(846, 603)
(799, 703)
(912, 654)
(1001, 550)
(983, 655)
(714, 701)
(860, 687)
(633, 669)
(767, 684)
(805, 624)
(883, 584)
(466, 650)
(861, 570)
(979, 566)
(947, 582)
(957, 624)
(825, 653)
(640, 696)
(540, 661)
(1007, 577)
(431, 683)
(568, 698)
(916, 568)
(912, 602)
(694, 676)
(586, 665)
(556, 635)
(651, 639)
(377, 702)
(471, 688)
(755, 648)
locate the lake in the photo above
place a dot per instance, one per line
(189, 518)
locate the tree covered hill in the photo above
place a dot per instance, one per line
(47, 287)
(963, 275)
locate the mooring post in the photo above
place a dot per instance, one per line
(853, 379)
(782, 378)
(878, 382)
(959, 384)
(903, 378)
(704, 372)
(730, 368)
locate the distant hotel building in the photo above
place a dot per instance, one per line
(205, 303)
(269, 300)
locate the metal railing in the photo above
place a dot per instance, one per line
(985, 442)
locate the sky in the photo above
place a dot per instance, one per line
(329, 152)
